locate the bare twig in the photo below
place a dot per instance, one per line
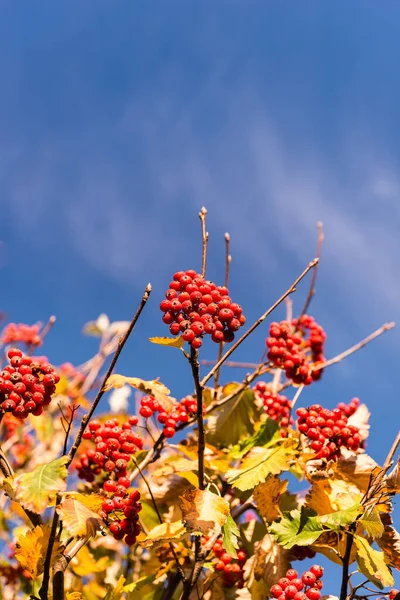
(231, 363)
(346, 353)
(204, 233)
(311, 292)
(228, 258)
(47, 327)
(292, 289)
(296, 396)
(121, 344)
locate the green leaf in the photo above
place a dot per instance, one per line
(148, 516)
(267, 433)
(256, 468)
(235, 419)
(175, 342)
(372, 523)
(230, 534)
(341, 518)
(137, 585)
(372, 564)
(35, 490)
(299, 528)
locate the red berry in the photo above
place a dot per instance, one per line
(146, 412)
(291, 591)
(292, 574)
(308, 578)
(313, 593)
(317, 570)
(276, 591)
(169, 432)
(197, 343)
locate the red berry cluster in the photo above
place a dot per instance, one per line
(291, 350)
(314, 342)
(276, 406)
(149, 406)
(114, 446)
(26, 386)
(301, 553)
(329, 430)
(194, 307)
(122, 501)
(19, 332)
(292, 587)
(232, 570)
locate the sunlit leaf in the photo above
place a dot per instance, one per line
(155, 388)
(139, 583)
(299, 527)
(235, 419)
(31, 549)
(268, 431)
(372, 523)
(393, 478)
(360, 419)
(115, 592)
(389, 542)
(74, 596)
(203, 511)
(267, 496)
(230, 534)
(91, 501)
(268, 563)
(79, 520)
(166, 532)
(355, 468)
(372, 563)
(35, 490)
(256, 467)
(175, 342)
(85, 563)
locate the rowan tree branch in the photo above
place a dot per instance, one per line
(204, 234)
(292, 289)
(121, 344)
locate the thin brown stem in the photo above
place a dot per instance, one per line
(47, 327)
(244, 385)
(178, 565)
(231, 363)
(204, 234)
(355, 348)
(289, 291)
(194, 363)
(121, 344)
(311, 291)
(228, 258)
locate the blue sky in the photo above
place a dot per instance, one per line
(119, 120)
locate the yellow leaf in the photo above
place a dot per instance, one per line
(78, 520)
(372, 563)
(85, 563)
(166, 532)
(268, 563)
(176, 342)
(393, 479)
(328, 496)
(91, 501)
(36, 490)
(267, 496)
(74, 596)
(115, 592)
(155, 388)
(356, 468)
(31, 549)
(203, 511)
(389, 542)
